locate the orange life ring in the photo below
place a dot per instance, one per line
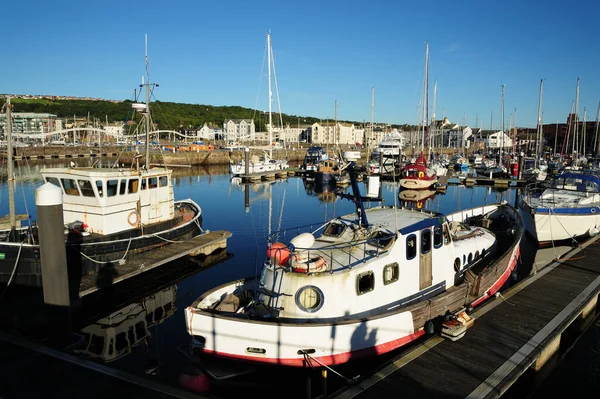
(419, 204)
(135, 220)
(421, 175)
(313, 265)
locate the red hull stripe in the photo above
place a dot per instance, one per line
(333, 360)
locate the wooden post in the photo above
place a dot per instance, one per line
(247, 159)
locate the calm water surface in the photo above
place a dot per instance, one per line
(155, 347)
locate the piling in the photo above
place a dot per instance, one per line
(53, 257)
(247, 160)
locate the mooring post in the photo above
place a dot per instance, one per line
(247, 197)
(247, 160)
(55, 279)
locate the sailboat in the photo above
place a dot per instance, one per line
(536, 170)
(266, 163)
(110, 216)
(360, 284)
(417, 175)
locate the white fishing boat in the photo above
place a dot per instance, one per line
(566, 211)
(110, 216)
(266, 163)
(360, 284)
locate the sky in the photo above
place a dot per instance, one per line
(331, 57)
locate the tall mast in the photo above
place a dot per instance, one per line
(583, 133)
(596, 132)
(575, 134)
(514, 135)
(433, 117)
(147, 107)
(10, 166)
(372, 113)
(270, 93)
(502, 128)
(539, 126)
(425, 98)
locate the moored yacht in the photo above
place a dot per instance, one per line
(358, 285)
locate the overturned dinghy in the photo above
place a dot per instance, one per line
(369, 283)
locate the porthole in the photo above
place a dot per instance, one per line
(309, 298)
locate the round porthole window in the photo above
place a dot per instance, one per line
(309, 298)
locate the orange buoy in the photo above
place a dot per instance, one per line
(279, 253)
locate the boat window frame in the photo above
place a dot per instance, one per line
(317, 306)
(438, 234)
(72, 186)
(133, 185)
(163, 181)
(123, 187)
(395, 276)
(152, 182)
(56, 181)
(344, 226)
(413, 238)
(144, 184)
(99, 188)
(86, 191)
(359, 278)
(112, 187)
(425, 242)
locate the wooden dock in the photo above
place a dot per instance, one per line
(204, 244)
(513, 337)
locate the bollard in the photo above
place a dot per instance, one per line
(53, 257)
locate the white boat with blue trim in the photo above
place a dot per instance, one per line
(358, 285)
(567, 211)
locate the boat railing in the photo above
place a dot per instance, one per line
(540, 195)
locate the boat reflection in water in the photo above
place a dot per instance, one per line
(416, 198)
(115, 335)
(324, 191)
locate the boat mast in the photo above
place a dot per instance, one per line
(596, 132)
(502, 128)
(575, 133)
(435, 132)
(10, 166)
(539, 127)
(372, 113)
(270, 94)
(425, 100)
(147, 107)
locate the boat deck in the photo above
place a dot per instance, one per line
(511, 339)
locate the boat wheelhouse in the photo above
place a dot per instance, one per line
(313, 158)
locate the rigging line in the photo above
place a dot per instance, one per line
(262, 70)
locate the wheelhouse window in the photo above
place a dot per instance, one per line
(53, 180)
(87, 190)
(335, 230)
(365, 282)
(111, 187)
(99, 188)
(70, 186)
(152, 182)
(411, 246)
(425, 241)
(123, 187)
(391, 273)
(164, 182)
(438, 237)
(144, 184)
(133, 186)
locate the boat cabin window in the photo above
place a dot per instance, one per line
(365, 282)
(425, 241)
(53, 180)
(152, 182)
(133, 185)
(438, 236)
(123, 187)
(335, 230)
(111, 188)
(87, 190)
(99, 188)
(309, 298)
(391, 273)
(163, 181)
(381, 239)
(411, 246)
(70, 186)
(144, 184)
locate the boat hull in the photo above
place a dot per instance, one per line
(90, 254)
(258, 167)
(417, 184)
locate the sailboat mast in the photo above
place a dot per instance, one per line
(270, 93)
(372, 113)
(502, 128)
(425, 99)
(433, 117)
(575, 134)
(596, 132)
(10, 166)
(147, 107)
(539, 126)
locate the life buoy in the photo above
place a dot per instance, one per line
(419, 204)
(421, 175)
(313, 265)
(135, 220)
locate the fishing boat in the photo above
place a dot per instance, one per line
(359, 285)
(313, 158)
(110, 215)
(567, 211)
(266, 163)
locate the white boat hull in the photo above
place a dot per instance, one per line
(417, 184)
(258, 167)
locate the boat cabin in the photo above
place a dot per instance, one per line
(113, 200)
(576, 182)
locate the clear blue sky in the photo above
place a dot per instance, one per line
(211, 52)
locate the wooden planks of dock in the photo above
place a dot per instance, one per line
(517, 332)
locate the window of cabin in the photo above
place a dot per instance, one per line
(446, 234)
(163, 181)
(133, 186)
(334, 229)
(111, 187)
(53, 180)
(425, 241)
(144, 184)
(365, 282)
(99, 188)
(87, 190)
(438, 237)
(411, 246)
(70, 186)
(391, 273)
(152, 182)
(123, 187)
